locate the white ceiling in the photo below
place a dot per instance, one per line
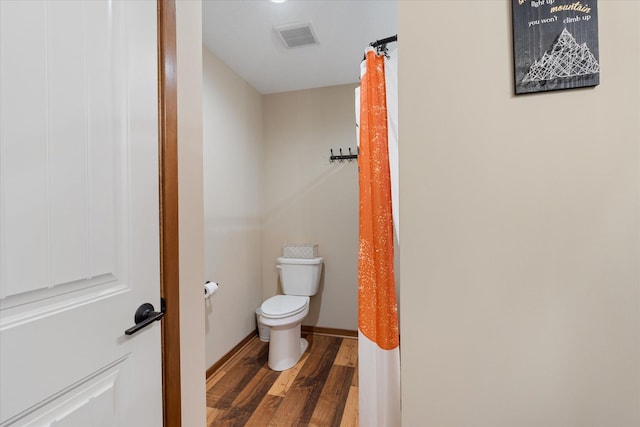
(241, 34)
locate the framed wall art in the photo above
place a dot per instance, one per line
(555, 45)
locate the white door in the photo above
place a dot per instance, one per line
(78, 213)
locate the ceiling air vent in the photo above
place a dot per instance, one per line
(296, 35)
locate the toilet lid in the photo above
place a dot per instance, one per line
(284, 305)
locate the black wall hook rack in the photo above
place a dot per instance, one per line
(342, 157)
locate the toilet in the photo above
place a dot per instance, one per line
(283, 314)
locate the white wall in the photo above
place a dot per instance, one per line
(232, 157)
(189, 64)
(309, 200)
(520, 257)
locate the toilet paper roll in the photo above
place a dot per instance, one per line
(210, 288)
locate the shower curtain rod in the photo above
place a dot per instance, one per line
(382, 42)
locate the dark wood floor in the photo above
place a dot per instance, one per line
(321, 390)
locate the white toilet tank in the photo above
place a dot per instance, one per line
(300, 276)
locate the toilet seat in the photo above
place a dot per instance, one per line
(280, 306)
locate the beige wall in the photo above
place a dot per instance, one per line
(189, 62)
(309, 200)
(520, 227)
(232, 158)
(268, 181)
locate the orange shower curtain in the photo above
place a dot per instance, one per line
(379, 358)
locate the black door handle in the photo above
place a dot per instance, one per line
(145, 316)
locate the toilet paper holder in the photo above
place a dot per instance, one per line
(210, 288)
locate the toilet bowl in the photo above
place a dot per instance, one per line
(283, 314)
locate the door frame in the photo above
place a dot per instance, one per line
(168, 176)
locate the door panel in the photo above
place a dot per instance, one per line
(78, 213)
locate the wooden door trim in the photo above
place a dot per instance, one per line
(169, 254)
